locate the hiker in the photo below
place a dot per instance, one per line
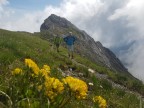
(70, 39)
(57, 41)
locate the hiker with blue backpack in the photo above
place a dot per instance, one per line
(70, 40)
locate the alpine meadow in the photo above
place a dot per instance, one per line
(34, 75)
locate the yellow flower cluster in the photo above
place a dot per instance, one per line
(31, 64)
(17, 71)
(77, 86)
(45, 71)
(101, 101)
(53, 87)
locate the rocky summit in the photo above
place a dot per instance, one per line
(86, 46)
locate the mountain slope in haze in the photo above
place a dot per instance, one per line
(85, 45)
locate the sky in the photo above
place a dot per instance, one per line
(117, 24)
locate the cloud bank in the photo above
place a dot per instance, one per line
(134, 16)
(118, 24)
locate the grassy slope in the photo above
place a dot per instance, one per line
(15, 46)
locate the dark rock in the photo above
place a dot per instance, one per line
(53, 22)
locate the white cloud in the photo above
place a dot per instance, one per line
(134, 16)
(2, 4)
(134, 59)
(5, 13)
(118, 24)
(133, 13)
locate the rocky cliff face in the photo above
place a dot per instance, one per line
(85, 45)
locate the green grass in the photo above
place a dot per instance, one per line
(16, 46)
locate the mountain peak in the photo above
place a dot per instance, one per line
(53, 21)
(85, 45)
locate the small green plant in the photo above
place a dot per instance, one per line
(120, 93)
(106, 85)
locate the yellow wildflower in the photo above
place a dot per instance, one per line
(102, 102)
(17, 71)
(45, 71)
(31, 64)
(77, 86)
(53, 87)
(47, 68)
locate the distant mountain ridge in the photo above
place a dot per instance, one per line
(85, 45)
